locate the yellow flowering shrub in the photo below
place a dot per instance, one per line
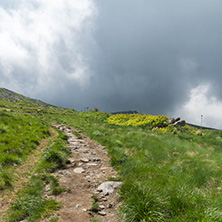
(168, 129)
(138, 120)
(155, 123)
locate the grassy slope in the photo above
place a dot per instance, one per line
(22, 128)
(20, 134)
(166, 177)
(18, 103)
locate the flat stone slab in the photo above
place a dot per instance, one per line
(109, 187)
(92, 164)
(73, 143)
(84, 160)
(102, 213)
(79, 170)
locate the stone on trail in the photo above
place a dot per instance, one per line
(84, 160)
(73, 143)
(102, 207)
(102, 213)
(79, 170)
(92, 164)
(96, 159)
(109, 187)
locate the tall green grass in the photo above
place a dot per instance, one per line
(20, 134)
(166, 177)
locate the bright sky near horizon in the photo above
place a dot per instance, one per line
(158, 57)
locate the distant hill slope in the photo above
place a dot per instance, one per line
(17, 102)
(10, 96)
(125, 112)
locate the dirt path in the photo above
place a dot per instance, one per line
(22, 175)
(88, 169)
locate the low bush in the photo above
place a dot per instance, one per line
(138, 120)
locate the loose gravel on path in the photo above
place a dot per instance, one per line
(89, 168)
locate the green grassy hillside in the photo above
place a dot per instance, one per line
(11, 101)
(167, 176)
(169, 173)
(30, 150)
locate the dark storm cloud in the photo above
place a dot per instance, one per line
(115, 55)
(151, 53)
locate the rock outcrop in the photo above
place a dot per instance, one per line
(177, 122)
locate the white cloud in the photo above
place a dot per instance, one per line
(37, 37)
(202, 102)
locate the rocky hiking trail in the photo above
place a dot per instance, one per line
(86, 176)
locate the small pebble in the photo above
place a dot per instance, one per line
(79, 170)
(101, 207)
(88, 178)
(92, 164)
(84, 160)
(111, 205)
(102, 213)
(96, 159)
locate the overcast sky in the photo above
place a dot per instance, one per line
(158, 57)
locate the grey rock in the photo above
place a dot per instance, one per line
(109, 187)
(177, 119)
(73, 143)
(79, 170)
(180, 123)
(102, 213)
(74, 147)
(72, 161)
(61, 172)
(102, 207)
(171, 120)
(96, 159)
(111, 205)
(88, 178)
(92, 164)
(84, 160)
